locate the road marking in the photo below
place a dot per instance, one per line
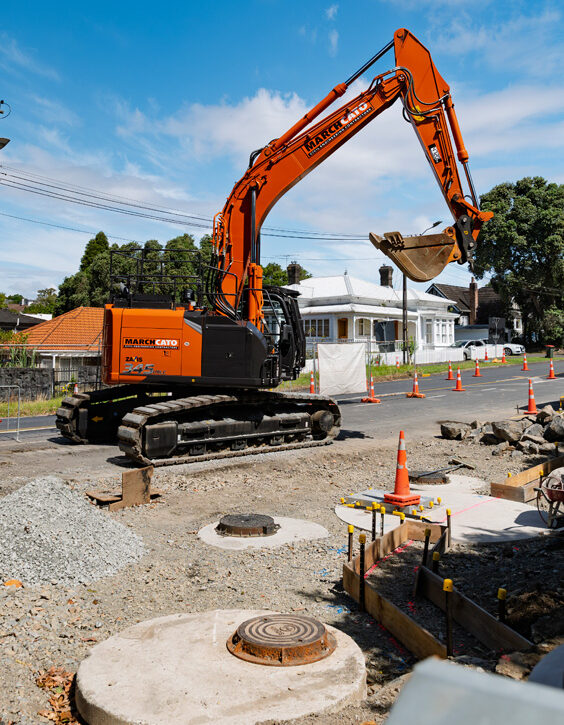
(24, 430)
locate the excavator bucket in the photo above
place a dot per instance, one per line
(421, 258)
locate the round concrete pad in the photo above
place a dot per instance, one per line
(475, 518)
(290, 530)
(177, 670)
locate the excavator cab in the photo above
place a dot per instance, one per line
(283, 330)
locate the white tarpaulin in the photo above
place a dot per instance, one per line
(342, 368)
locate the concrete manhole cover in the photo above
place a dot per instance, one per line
(246, 525)
(281, 640)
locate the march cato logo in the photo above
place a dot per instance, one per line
(335, 129)
(151, 343)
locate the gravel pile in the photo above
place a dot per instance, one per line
(51, 534)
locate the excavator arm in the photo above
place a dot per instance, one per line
(274, 169)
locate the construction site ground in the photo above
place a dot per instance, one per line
(54, 625)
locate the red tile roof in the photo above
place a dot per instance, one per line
(80, 329)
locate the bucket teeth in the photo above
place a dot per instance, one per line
(420, 258)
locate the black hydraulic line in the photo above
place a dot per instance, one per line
(253, 224)
(367, 65)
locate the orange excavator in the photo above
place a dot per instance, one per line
(190, 358)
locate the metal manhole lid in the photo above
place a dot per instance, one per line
(281, 640)
(246, 525)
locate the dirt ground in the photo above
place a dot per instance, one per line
(52, 625)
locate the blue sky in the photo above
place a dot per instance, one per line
(163, 104)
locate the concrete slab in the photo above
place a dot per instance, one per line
(441, 693)
(290, 530)
(475, 518)
(177, 670)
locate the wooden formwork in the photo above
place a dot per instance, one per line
(521, 487)
(418, 640)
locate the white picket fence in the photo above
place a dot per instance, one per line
(479, 353)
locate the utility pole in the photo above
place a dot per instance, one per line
(404, 305)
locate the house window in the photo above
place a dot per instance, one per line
(444, 332)
(316, 328)
(363, 327)
(429, 332)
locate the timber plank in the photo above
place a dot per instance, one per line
(470, 615)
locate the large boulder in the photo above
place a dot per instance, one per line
(507, 430)
(545, 415)
(538, 440)
(534, 430)
(554, 431)
(453, 430)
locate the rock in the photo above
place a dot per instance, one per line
(528, 447)
(516, 454)
(476, 424)
(554, 431)
(507, 430)
(545, 414)
(500, 448)
(534, 430)
(453, 430)
(538, 440)
(517, 665)
(549, 449)
(488, 439)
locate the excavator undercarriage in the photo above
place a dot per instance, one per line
(169, 428)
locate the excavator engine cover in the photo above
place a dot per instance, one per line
(420, 258)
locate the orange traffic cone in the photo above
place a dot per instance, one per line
(371, 397)
(532, 405)
(450, 376)
(525, 367)
(415, 392)
(458, 388)
(397, 363)
(503, 360)
(402, 495)
(311, 384)
(486, 355)
(75, 390)
(477, 373)
(551, 375)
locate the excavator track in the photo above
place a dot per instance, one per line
(209, 426)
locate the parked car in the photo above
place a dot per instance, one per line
(510, 348)
(466, 346)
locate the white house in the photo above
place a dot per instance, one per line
(344, 308)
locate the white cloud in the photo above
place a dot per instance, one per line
(524, 43)
(331, 11)
(333, 42)
(13, 58)
(53, 112)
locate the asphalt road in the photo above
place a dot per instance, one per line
(493, 396)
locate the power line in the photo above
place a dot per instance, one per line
(61, 226)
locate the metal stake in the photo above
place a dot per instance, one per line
(501, 598)
(351, 532)
(436, 558)
(361, 583)
(426, 546)
(383, 512)
(374, 509)
(449, 529)
(447, 589)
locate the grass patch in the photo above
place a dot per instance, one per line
(31, 407)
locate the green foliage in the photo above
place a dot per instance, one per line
(523, 246)
(15, 299)
(13, 350)
(554, 326)
(95, 246)
(45, 301)
(276, 275)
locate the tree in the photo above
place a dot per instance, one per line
(3, 300)
(276, 275)
(15, 299)
(94, 247)
(45, 301)
(523, 245)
